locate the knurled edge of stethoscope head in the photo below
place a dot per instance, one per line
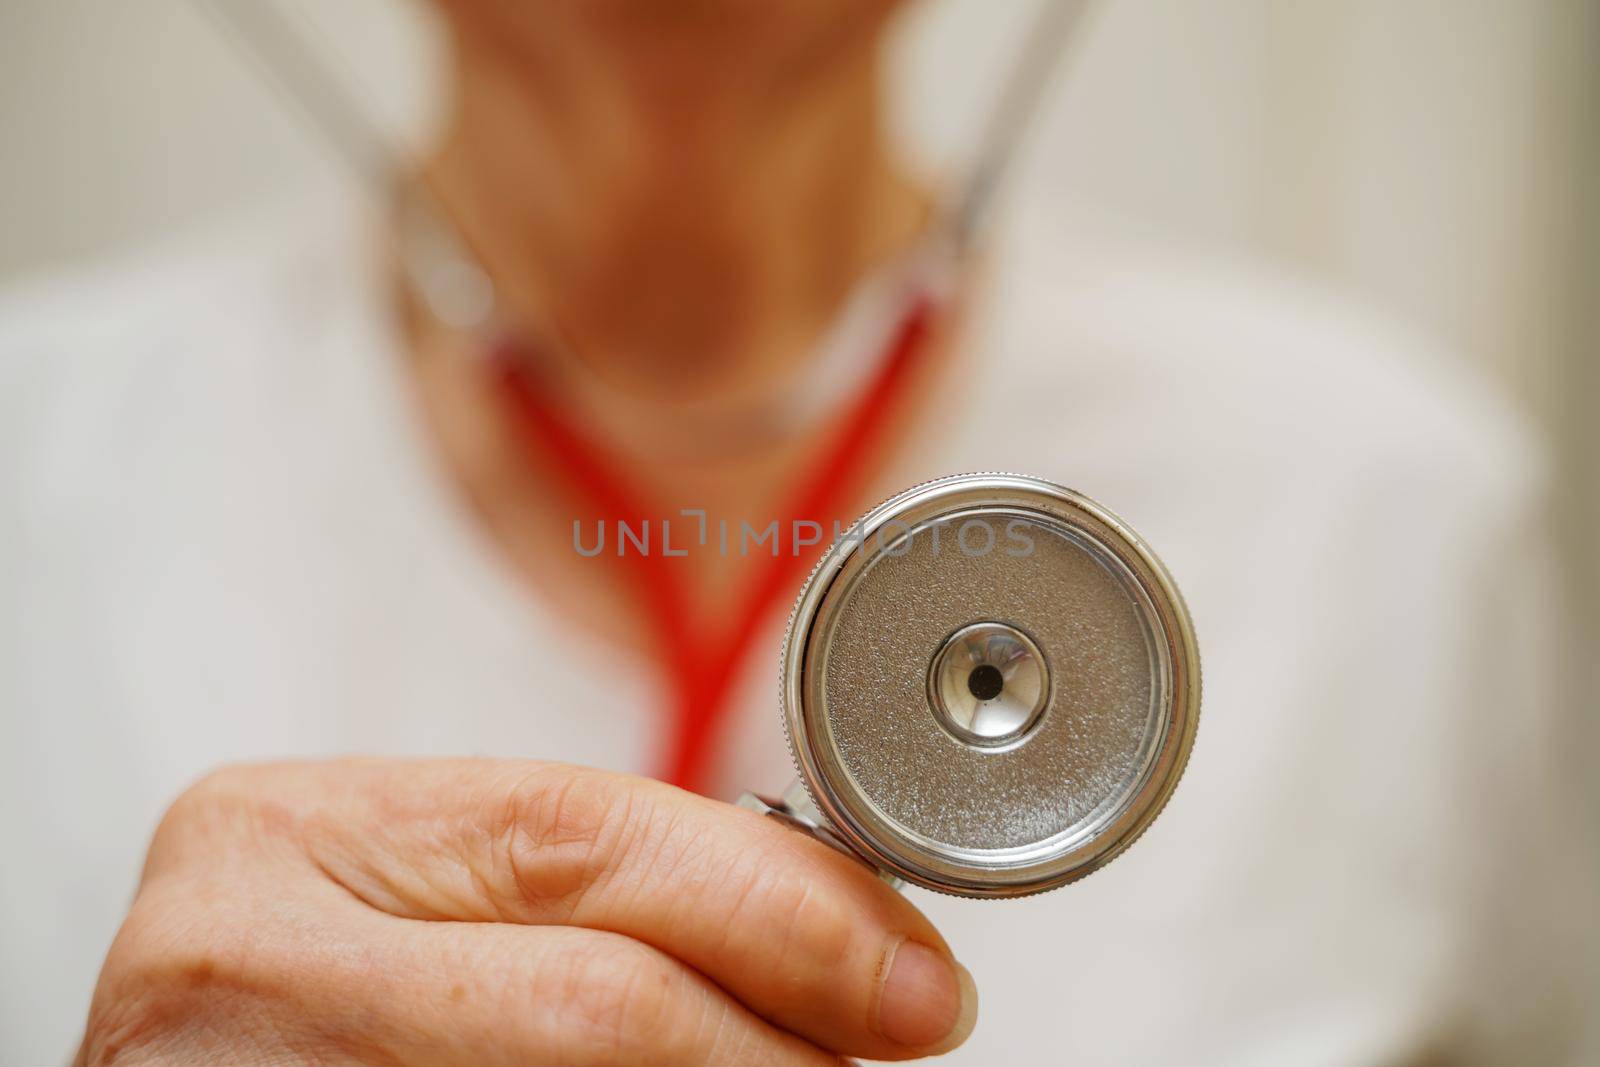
(1171, 780)
(823, 561)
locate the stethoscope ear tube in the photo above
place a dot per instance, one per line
(1048, 40)
(440, 265)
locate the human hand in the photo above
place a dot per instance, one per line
(507, 912)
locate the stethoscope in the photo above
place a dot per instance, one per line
(901, 305)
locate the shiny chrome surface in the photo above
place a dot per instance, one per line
(932, 774)
(795, 810)
(988, 684)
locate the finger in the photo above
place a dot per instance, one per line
(496, 994)
(805, 937)
(297, 972)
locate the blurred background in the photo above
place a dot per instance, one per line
(1438, 158)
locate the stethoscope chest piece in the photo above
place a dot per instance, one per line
(990, 688)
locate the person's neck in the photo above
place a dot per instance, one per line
(686, 229)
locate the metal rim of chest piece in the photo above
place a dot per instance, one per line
(990, 686)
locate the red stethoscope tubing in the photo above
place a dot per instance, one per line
(702, 664)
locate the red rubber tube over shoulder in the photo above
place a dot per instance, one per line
(701, 663)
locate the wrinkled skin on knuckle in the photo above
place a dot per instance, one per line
(187, 970)
(210, 971)
(129, 1028)
(178, 979)
(561, 832)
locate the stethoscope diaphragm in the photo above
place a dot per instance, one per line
(990, 687)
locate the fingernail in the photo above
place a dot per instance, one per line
(928, 999)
